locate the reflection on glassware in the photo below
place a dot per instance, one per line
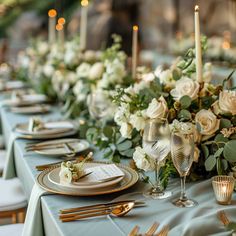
(99, 105)
(156, 144)
(182, 152)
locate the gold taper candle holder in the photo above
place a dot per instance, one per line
(223, 186)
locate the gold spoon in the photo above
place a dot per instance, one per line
(118, 211)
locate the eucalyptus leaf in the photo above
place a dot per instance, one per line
(205, 151)
(185, 101)
(218, 152)
(116, 158)
(225, 123)
(176, 74)
(219, 167)
(124, 146)
(92, 134)
(127, 153)
(230, 151)
(108, 131)
(210, 163)
(220, 138)
(184, 115)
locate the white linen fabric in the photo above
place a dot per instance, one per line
(11, 230)
(12, 195)
(33, 222)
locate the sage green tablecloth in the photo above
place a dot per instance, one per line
(198, 221)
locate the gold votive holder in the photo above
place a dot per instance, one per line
(223, 186)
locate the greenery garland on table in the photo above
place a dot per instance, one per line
(209, 108)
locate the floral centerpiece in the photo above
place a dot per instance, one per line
(209, 108)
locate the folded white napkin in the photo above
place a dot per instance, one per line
(59, 124)
(9, 168)
(34, 221)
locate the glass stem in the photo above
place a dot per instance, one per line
(183, 195)
(158, 187)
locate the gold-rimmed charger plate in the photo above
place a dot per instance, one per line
(131, 177)
(28, 110)
(47, 137)
(22, 128)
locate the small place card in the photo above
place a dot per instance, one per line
(104, 173)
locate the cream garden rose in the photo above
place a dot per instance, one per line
(185, 86)
(137, 120)
(208, 122)
(142, 161)
(126, 130)
(157, 108)
(227, 102)
(96, 71)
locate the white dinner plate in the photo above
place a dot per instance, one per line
(37, 109)
(50, 128)
(130, 178)
(25, 100)
(78, 145)
(12, 85)
(54, 178)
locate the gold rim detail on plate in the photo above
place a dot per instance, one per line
(42, 180)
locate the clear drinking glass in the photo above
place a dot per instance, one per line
(182, 152)
(156, 144)
(98, 105)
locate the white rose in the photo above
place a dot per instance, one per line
(96, 71)
(122, 114)
(65, 175)
(148, 77)
(71, 77)
(165, 76)
(157, 108)
(43, 48)
(137, 121)
(140, 86)
(48, 70)
(208, 122)
(185, 86)
(90, 55)
(142, 161)
(126, 130)
(227, 102)
(78, 91)
(83, 70)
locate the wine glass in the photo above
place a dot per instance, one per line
(98, 105)
(156, 144)
(182, 152)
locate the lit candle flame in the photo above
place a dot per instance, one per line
(196, 8)
(135, 28)
(59, 27)
(52, 13)
(84, 3)
(226, 45)
(61, 21)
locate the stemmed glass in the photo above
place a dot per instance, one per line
(156, 144)
(99, 105)
(182, 152)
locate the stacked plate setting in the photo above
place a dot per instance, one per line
(50, 181)
(51, 130)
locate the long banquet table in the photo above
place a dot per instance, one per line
(200, 220)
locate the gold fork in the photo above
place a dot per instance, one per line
(223, 218)
(164, 231)
(152, 229)
(134, 231)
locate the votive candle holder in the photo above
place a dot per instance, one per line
(223, 186)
